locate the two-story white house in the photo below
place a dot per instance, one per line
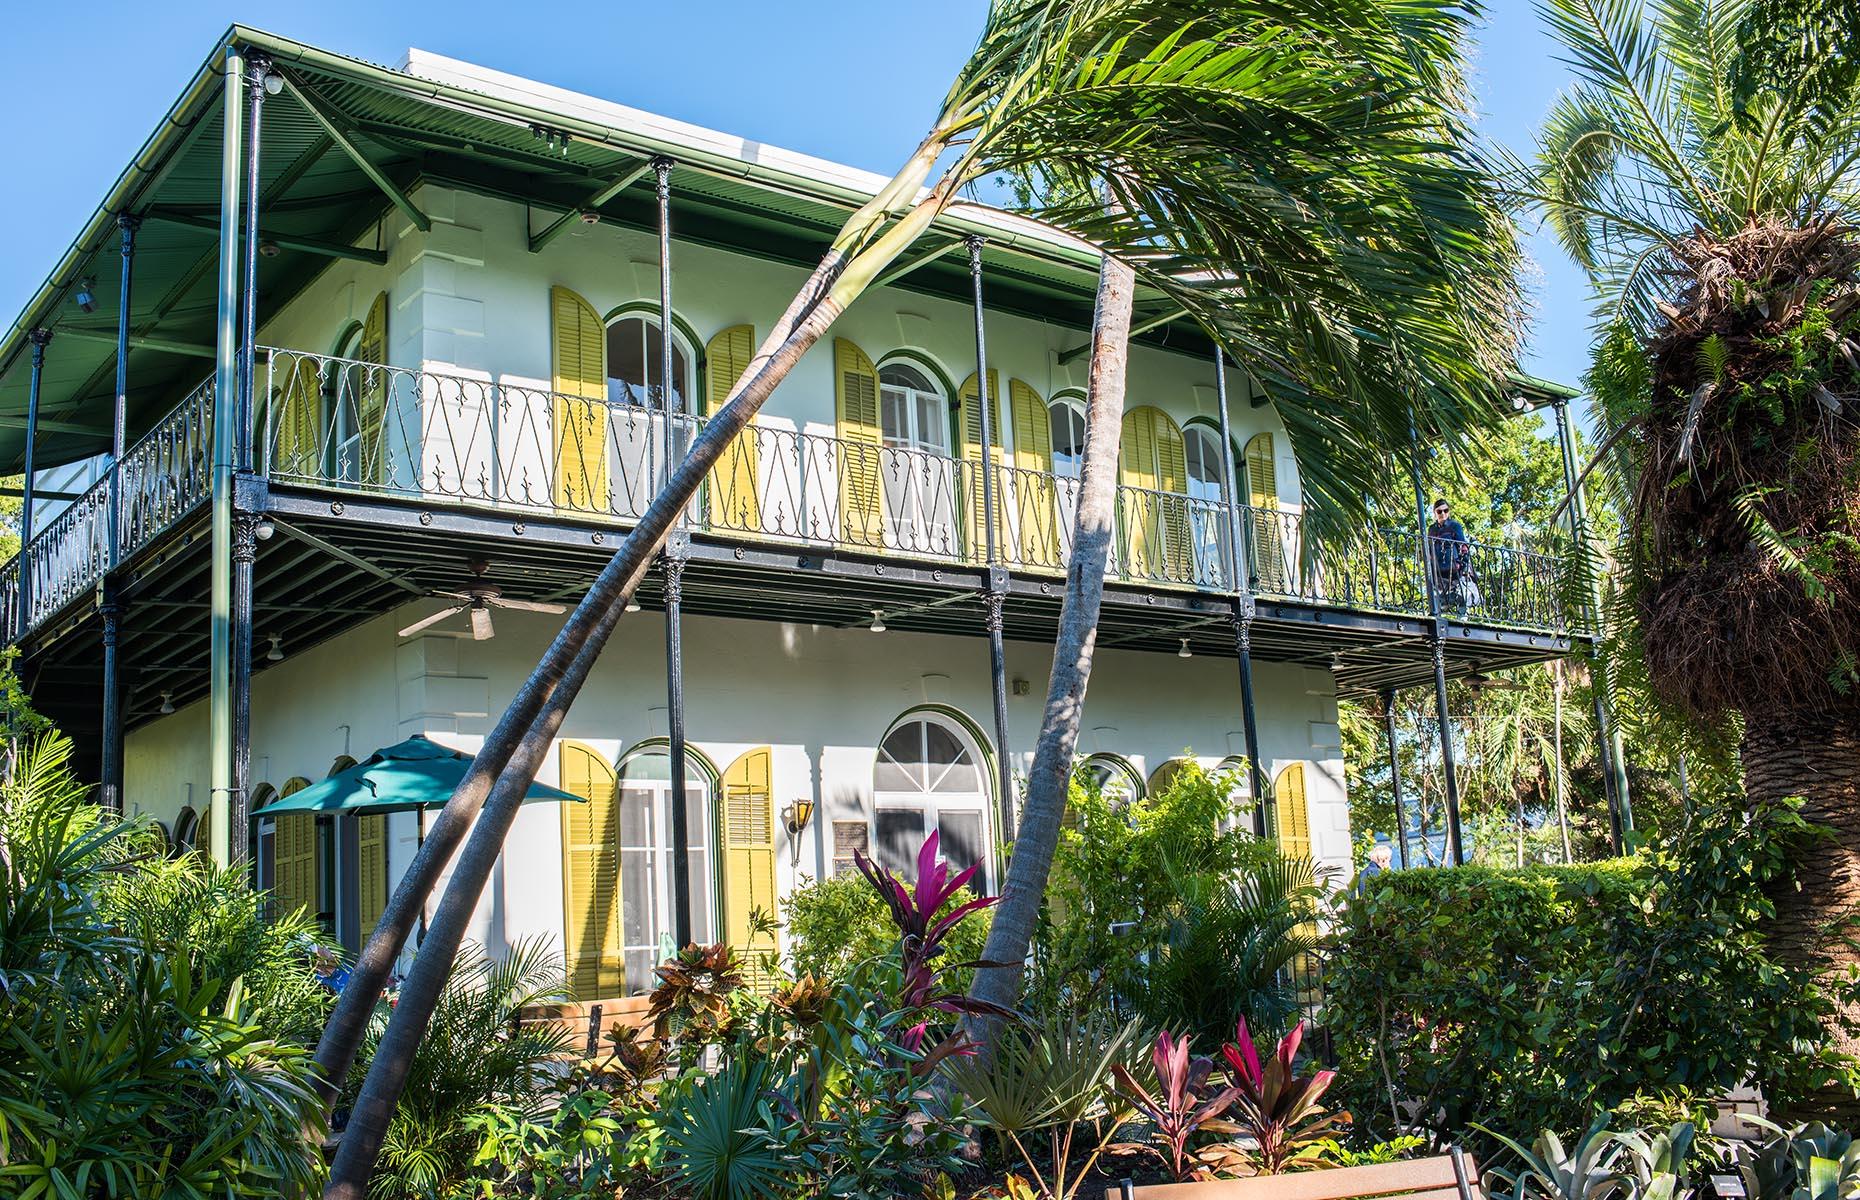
(456, 385)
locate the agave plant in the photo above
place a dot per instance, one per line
(1185, 1103)
(1808, 1162)
(1659, 1161)
(1278, 1106)
(1593, 1169)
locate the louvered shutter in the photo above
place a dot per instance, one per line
(1036, 498)
(1137, 508)
(370, 871)
(294, 871)
(578, 341)
(971, 423)
(734, 502)
(371, 401)
(1172, 477)
(1262, 481)
(749, 860)
(296, 448)
(1292, 829)
(592, 950)
(861, 440)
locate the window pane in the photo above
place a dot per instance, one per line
(930, 421)
(626, 361)
(941, 746)
(900, 837)
(960, 838)
(900, 375)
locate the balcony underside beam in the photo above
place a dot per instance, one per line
(592, 205)
(337, 127)
(286, 241)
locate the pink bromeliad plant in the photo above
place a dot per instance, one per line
(1277, 1106)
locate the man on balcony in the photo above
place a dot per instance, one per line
(1449, 556)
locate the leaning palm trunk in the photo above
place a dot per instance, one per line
(1010, 934)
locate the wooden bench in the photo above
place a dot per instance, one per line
(587, 1024)
(1451, 1176)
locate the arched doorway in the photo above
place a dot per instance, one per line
(648, 915)
(930, 777)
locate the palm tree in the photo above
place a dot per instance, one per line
(1283, 171)
(1711, 197)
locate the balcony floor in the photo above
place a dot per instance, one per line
(337, 561)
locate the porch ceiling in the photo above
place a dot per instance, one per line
(323, 573)
(315, 200)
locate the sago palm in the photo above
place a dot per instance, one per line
(1712, 200)
(1293, 174)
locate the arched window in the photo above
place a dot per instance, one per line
(1113, 776)
(1066, 417)
(647, 915)
(930, 776)
(1239, 793)
(187, 822)
(913, 412)
(634, 349)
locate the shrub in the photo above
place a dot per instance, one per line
(837, 923)
(1525, 999)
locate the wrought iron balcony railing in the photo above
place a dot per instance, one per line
(351, 426)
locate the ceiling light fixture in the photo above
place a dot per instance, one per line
(1185, 652)
(276, 653)
(167, 703)
(878, 621)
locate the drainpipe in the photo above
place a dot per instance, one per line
(1240, 568)
(1401, 817)
(673, 563)
(1456, 853)
(40, 339)
(994, 595)
(225, 409)
(1609, 744)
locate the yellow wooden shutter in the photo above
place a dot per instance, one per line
(1036, 506)
(370, 871)
(861, 439)
(1291, 818)
(371, 403)
(595, 961)
(971, 427)
(294, 865)
(749, 859)
(1268, 543)
(578, 341)
(1172, 477)
(1140, 511)
(297, 419)
(734, 502)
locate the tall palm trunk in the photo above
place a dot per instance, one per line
(1815, 756)
(1011, 933)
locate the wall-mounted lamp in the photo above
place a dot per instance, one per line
(796, 817)
(86, 297)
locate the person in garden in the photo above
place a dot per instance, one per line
(1380, 856)
(1449, 554)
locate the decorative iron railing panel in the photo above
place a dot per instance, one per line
(517, 445)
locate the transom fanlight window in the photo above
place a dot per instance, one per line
(1067, 420)
(1115, 779)
(912, 412)
(929, 777)
(634, 347)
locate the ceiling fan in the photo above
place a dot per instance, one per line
(478, 599)
(1480, 681)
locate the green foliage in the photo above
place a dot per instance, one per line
(1524, 999)
(126, 1068)
(714, 1142)
(475, 1061)
(1161, 907)
(836, 923)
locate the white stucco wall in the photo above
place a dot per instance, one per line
(820, 698)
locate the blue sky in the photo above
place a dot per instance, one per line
(86, 82)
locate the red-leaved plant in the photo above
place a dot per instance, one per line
(1280, 1109)
(921, 933)
(1184, 1105)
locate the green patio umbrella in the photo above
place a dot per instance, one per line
(416, 773)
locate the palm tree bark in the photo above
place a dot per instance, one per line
(1815, 756)
(1011, 933)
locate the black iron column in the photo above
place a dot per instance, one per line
(40, 339)
(112, 772)
(663, 168)
(995, 598)
(1240, 566)
(1449, 771)
(1401, 818)
(672, 562)
(1608, 749)
(244, 556)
